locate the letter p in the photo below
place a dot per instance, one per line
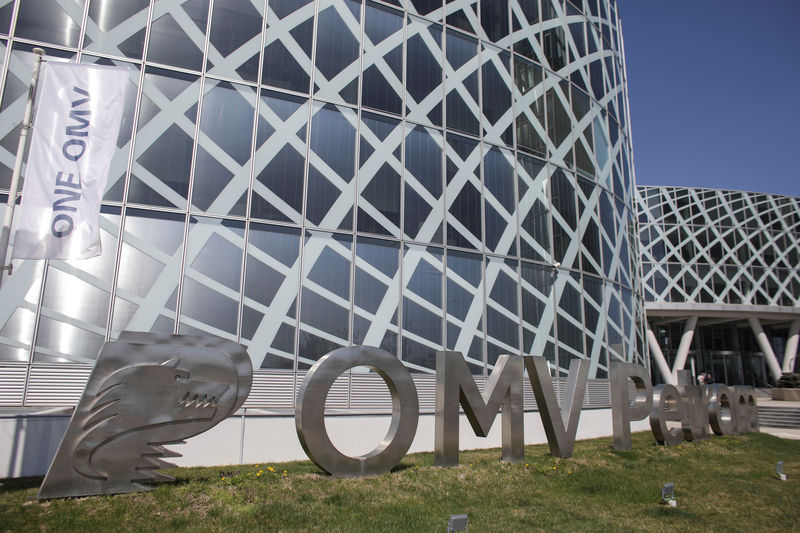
(623, 411)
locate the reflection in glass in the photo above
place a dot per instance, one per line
(280, 158)
(212, 277)
(329, 201)
(177, 37)
(160, 174)
(222, 163)
(270, 295)
(149, 271)
(287, 48)
(376, 294)
(325, 297)
(379, 175)
(422, 306)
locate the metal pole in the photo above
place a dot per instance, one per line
(12, 194)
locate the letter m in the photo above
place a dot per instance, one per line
(455, 385)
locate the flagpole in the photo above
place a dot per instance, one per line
(23, 136)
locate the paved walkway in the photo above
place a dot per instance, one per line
(784, 433)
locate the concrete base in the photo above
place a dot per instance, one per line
(786, 395)
(28, 443)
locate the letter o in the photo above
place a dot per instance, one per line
(62, 218)
(73, 142)
(310, 412)
(721, 410)
(667, 406)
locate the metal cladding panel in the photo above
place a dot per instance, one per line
(55, 385)
(369, 391)
(12, 384)
(272, 390)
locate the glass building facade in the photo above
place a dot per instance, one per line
(299, 176)
(725, 258)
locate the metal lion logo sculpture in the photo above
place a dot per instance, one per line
(146, 391)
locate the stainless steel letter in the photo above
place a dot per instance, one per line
(622, 409)
(560, 425)
(746, 410)
(310, 412)
(720, 410)
(667, 406)
(695, 415)
(146, 390)
(454, 384)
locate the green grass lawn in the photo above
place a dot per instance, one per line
(721, 484)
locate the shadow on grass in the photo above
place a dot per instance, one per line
(20, 483)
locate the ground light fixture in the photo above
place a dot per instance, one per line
(779, 471)
(457, 522)
(668, 494)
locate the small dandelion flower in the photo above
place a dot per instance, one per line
(270, 469)
(223, 478)
(554, 468)
(257, 475)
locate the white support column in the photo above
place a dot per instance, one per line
(658, 356)
(766, 349)
(683, 348)
(791, 346)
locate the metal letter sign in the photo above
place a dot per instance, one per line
(310, 413)
(560, 425)
(454, 385)
(622, 409)
(146, 390)
(667, 406)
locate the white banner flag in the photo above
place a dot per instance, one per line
(74, 138)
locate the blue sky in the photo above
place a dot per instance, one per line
(715, 92)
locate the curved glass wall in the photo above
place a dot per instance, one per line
(713, 246)
(299, 176)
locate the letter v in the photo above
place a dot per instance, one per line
(560, 425)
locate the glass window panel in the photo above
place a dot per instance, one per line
(280, 158)
(382, 63)
(525, 17)
(6, 13)
(270, 295)
(287, 48)
(465, 306)
(336, 63)
(537, 307)
(57, 23)
(562, 195)
(530, 109)
(330, 194)
(424, 66)
(117, 28)
(462, 83)
(494, 20)
(222, 164)
(422, 306)
(463, 192)
(496, 88)
(559, 125)
(376, 293)
(431, 9)
(235, 39)
(499, 201)
(379, 175)
(463, 14)
(502, 315)
(325, 295)
(177, 36)
(423, 202)
(149, 271)
(165, 138)
(212, 277)
(534, 209)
